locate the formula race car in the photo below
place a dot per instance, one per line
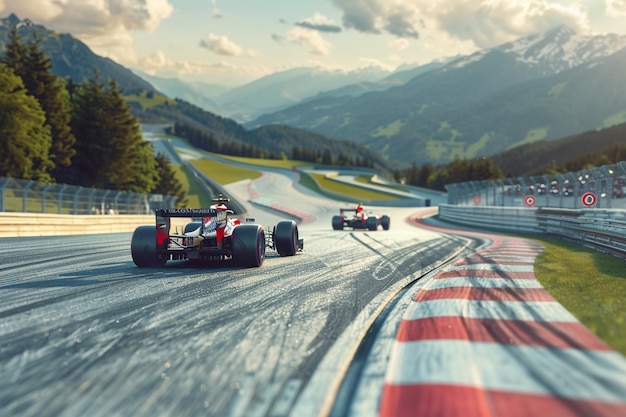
(359, 219)
(212, 234)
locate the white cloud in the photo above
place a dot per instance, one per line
(158, 63)
(493, 22)
(215, 11)
(616, 8)
(399, 44)
(221, 45)
(320, 23)
(94, 17)
(41, 11)
(484, 22)
(309, 38)
(106, 26)
(372, 62)
(398, 17)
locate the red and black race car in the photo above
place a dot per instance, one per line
(215, 234)
(359, 219)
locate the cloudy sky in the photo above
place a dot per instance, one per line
(230, 42)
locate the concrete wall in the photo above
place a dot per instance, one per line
(37, 224)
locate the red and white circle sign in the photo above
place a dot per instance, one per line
(589, 199)
(477, 199)
(529, 201)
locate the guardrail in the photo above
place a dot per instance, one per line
(509, 219)
(603, 230)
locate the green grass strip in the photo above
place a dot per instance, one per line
(588, 283)
(351, 190)
(225, 173)
(196, 196)
(270, 163)
(368, 180)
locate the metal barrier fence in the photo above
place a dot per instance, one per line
(28, 196)
(602, 187)
(600, 229)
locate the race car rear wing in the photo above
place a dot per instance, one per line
(163, 216)
(186, 212)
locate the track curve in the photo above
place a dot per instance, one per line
(85, 332)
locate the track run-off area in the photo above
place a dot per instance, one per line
(419, 320)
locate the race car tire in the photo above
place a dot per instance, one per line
(286, 238)
(337, 223)
(190, 227)
(248, 242)
(372, 223)
(143, 247)
(385, 222)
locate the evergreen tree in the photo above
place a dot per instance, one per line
(50, 91)
(296, 153)
(34, 67)
(168, 183)
(412, 174)
(424, 174)
(15, 53)
(86, 124)
(111, 152)
(327, 158)
(24, 137)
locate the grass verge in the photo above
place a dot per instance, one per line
(225, 173)
(588, 283)
(270, 163)
(353, 191)
(196, 197)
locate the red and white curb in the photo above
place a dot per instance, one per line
(483, 338)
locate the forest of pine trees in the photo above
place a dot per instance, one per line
(209, 143)
(462, 170)
(54, 130)
(459, 170)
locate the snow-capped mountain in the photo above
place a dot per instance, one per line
(540, 87)
(556, 50)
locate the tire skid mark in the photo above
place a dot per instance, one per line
(483, 338)
(25, 263)
(393, 261)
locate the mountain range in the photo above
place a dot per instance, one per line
(284, 89)
(541, 87)
(538, 88)
(72, 58)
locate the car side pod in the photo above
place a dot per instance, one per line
(286, 239)
(143, 247)
(248, 245)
